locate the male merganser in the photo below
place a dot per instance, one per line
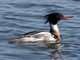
(44, 37)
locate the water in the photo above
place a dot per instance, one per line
(20, 16)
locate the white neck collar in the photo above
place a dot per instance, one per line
(55, 27)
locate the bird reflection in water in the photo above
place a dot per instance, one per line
(56, 51)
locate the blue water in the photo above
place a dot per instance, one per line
(20, 16)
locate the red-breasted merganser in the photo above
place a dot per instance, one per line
(44, 37)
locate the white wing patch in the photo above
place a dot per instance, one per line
(40, 37)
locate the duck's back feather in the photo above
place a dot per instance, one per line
(29, 33)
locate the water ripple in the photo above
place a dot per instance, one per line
(21, 16)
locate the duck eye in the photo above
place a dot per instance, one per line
(61, 16)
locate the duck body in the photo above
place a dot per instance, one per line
(35, 37)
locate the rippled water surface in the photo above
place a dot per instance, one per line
(20, 16)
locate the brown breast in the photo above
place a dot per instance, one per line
(56, 34)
